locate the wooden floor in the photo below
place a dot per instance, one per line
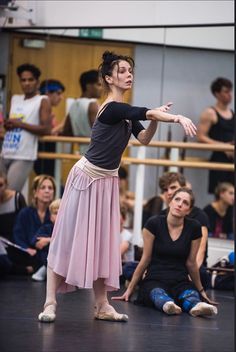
(75, 330)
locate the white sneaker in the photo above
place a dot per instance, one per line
(171, 308)
(40, 274)
(203, 309)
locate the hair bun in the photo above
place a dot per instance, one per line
(109, 56)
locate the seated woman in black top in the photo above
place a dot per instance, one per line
(221, 212)
(170, 248)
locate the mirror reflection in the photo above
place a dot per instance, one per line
(171, 64)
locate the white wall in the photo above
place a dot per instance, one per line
(135, 13)
(201, 37)
(129, 13)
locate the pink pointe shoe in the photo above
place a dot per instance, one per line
(107, 312)
(171, 308)
(203, 309)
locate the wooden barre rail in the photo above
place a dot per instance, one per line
(159, 144)
(153, 162)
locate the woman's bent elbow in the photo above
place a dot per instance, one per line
(144, 141)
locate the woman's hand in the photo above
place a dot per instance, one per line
(189, 128)
(42, 242)
(31, 251)
(124, 297)
(206, 299)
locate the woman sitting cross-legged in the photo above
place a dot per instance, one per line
(171, 282)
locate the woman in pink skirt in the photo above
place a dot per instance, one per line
(84, 251)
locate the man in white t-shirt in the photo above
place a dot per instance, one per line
(29, 117)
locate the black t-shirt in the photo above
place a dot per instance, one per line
(168, 256)
(111, 132)
(199, 215)
(8, 217)
(220, 226)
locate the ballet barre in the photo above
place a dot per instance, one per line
(151, 162)
(157, 144)
(141, 161)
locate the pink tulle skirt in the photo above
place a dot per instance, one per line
(85, 240)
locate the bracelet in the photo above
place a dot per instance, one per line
(202, 289)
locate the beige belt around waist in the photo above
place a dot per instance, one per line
(95, 172)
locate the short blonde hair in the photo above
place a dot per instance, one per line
(221, 188)
(55, 205)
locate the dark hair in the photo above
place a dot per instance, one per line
(122, 173)
(51, 86)
(186, 190)
(123, 211)
(28, 67)
(219, 83)
(111, 59)
(170, 177)
(162, 183)
(221, 188)
(88, 77)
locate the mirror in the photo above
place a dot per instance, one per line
(172, 64)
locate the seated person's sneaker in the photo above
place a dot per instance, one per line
(40, 274)
(171, 308)
(203, 309)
